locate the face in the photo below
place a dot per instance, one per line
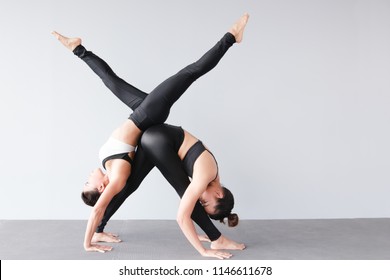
(96, 180)
(209, 199)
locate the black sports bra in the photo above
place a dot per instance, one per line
(124, 156)
(192, 155)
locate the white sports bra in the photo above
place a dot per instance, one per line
(114, 149)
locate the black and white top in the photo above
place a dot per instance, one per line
(115, 149)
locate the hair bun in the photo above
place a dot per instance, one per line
(232, 219)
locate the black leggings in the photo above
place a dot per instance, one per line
(180, 181)
(161, 143)
(159, 100)
(153, 108)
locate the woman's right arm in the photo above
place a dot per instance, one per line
(95, 218)
(118, 177)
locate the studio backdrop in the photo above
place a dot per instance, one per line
(297, 115)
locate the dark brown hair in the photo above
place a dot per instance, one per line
(223, 209)
(90, 197)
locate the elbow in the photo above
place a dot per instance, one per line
(180, 219)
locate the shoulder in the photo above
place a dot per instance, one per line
(119, 170)
(205, 167)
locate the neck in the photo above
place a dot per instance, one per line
(106, 180)
(215, 183)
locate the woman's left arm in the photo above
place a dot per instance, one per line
(187, 204)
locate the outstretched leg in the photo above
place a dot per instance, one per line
(127, 93)
(155, 108)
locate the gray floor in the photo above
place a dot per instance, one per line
(346, 239)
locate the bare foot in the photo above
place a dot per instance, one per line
(223, 243)
(70, 43)
(105, 237)
(238, 28)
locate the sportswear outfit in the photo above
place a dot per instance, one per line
(148, 110)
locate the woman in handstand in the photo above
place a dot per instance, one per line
(148, 109)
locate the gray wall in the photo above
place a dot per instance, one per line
(297, 115)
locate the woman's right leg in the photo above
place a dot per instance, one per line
(155, 109)
(159, 149)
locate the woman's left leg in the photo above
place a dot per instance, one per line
(127, 93)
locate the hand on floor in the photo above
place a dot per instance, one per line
(216, 254)
(97, 248)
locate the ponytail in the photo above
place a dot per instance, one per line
(232, 220)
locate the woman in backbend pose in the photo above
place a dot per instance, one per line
(178, 154)
(148, 109)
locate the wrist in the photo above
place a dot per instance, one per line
(202, 251)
